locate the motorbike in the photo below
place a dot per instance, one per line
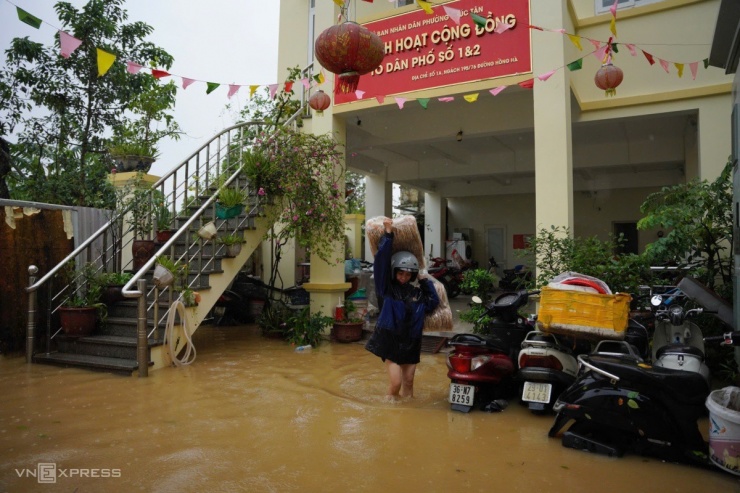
(516, 278)
(620, 404)
(451, 277)
(481, 368)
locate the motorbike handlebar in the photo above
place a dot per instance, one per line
(726, 339)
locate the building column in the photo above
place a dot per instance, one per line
(552, 120)
(715, 137)
(434, 217)
(378, 201)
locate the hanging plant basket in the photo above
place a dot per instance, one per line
(233, 250)
(228, 212)
(162, 277)
(133, 163)
(208, 231)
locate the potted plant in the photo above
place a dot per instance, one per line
(163, 217)
(139, 202)
(190, 298)
(230, 203)
(78, 313)
(349, 328)
(111, 286)
(233, 243)
(306, 328)
(264, 174)
(166, 271)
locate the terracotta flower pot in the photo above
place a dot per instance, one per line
(78, 322)
(347, 331)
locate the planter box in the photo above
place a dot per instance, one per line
(78, 322)
(228, 212)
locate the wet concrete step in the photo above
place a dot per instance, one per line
(104, 345)
(113, 365)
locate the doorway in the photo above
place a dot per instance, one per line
(495, 246)
(628, 231)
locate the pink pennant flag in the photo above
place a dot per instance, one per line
(68, 43)
(446, 99)
(631, 47)
(496, 90)
(232, 89)
(601, 52)
(595, 42)
(546, 76)
(306, 83)
(454, 14)
(381, 99)
(664, 64)
(133, 68)
(504, 26)
(273, 90)
(399, 102)
(693, 66)
(186, 82)
(613, 8)
(359, 94)
(561, 31)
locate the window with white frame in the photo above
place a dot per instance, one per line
(603, 6)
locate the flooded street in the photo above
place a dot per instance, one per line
(252, 415)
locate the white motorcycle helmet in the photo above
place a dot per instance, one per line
(405, 261)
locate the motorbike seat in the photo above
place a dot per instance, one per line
(432, 270)
(680, 349)
(686, 387)
(488, 341)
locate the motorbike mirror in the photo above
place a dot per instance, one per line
(477, 300)
(656, 300)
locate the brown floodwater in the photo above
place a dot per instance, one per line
(252, 415)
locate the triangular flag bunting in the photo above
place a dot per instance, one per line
(613, 26)
(501, 27)
(706, 62)
(426, 6)
(159, 74)
(679, 67)
(211, 87)
(471, 98)
(27, 18)
(595, 42)
(496, 90)
(319, 78)
(359, 94)
(480, 21)
(68, 43)
(577, 65)
(454, 14)
(527, 84)
(693, 66)
(273, 90)
(546, 76)
(600, 54)
(576, 41)
(615, 47)
(424, 102)
(252, 90)
(288, 86)
(649, 57)
(105, 61)
(340, 3)
(446, 99)
(132, 67)
(233, 88)
(631, 47)
(399, 102)
(664, 64)
(380, 99)
(306, 83)
(186, 82)
(613, 8)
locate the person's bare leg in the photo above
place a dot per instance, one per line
(407, 382)
(395, 376)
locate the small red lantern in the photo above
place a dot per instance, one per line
(319, 101)
(608, 77)
(350, 50)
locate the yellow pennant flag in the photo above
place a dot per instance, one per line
(105, 61)
(252, 90)
(426, 6)
(613, 26)
(576, 41)
(679, 67)
(471, 98)
(339, 2)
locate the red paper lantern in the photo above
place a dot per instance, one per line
(608, 77)
(350, 50)
(319, 101)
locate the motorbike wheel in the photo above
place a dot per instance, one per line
(453, 290)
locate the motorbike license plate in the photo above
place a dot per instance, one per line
(462, 394)
(536, 392)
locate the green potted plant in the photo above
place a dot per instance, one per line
(111, 286)
(163, 217)
(349, 328)
(166, 271)
(79, 311)
(233, 243)
(230, 203)
(306, 328)
(190, 298)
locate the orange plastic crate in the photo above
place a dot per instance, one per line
(579, 314)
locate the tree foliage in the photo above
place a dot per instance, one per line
(62, 111)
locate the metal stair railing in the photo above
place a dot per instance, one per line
(213, 167)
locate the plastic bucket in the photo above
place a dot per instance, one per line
(724, 428)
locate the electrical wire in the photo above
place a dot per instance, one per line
(172, 344)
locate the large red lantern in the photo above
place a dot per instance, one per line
(608, 77)
(350, 50)
(319, 101)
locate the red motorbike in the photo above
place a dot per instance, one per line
(451, 277)
(482, 367)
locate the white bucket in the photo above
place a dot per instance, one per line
(724, 428)
(208, 231)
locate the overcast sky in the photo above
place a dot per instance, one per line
(225, 41)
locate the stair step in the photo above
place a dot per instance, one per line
(100, 363)
(110, 345)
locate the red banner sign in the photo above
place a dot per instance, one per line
(423, 51)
